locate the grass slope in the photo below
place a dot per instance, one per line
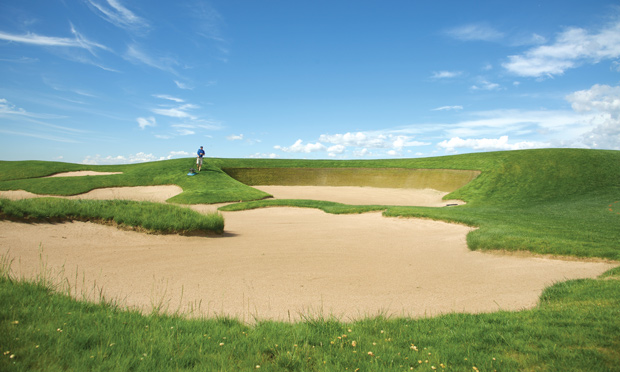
(211, 185)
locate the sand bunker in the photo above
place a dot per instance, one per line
(138, 193)
(82, 173)
(362, 195)
(286, 263)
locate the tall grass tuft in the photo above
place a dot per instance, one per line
(155, 217)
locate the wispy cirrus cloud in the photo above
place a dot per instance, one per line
(114, 12)
(571, 48)
(8, 109)
(72, 48)
(182, 85)
(78, 41)
(169, 98)
(180, 112)
(448, 108)
(137, 55)
(475, 32)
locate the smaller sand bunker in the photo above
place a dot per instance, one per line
(362, 195)
(158, 194)
(81, 174)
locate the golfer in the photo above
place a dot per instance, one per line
(201, 153)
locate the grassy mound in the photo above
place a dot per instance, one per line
(153, 217)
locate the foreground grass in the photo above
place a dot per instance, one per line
(154, 217)
(575, 327)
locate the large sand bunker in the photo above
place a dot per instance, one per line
(284, 263)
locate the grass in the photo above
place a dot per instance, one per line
(554, 201)
(211, 185)
(154, 217)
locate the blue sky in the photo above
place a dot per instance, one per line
(119, 81)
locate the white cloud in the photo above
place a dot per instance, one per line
(475, 32)
(51, 41)
(234, 137)
(375, 140)
(140, 157)
(177, 112)
(484, 84)
(598, 98)
(571, 48)
(602, 105)
(146, 122)
(119, 16)
(299, 147)
(136, 55)
(199, 124)
(361, 153)
(336, 149)
(169, 98)
(488, 144)
(445, 74)
(185, 132)
(9, 110)
(176, 154)
(259, 155)
(181, 85)
(447, 108)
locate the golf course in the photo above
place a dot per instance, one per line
(497, 261)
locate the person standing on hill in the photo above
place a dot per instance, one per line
(201, 153)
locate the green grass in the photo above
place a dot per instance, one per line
(553, 201)
(326, 206)
(154, 217)
(211, 185)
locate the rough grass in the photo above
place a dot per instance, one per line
(153, 217)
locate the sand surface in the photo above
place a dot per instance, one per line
(362, 195)
(288, 263)
(81, 174)
(138, 193)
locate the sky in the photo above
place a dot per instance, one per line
(120, 81)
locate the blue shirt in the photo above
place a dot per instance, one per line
(201, 153)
